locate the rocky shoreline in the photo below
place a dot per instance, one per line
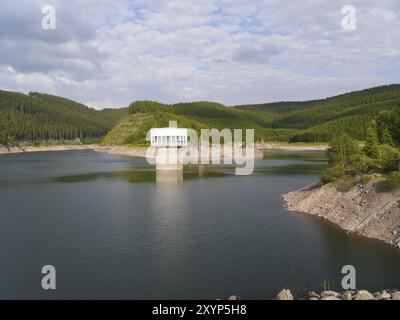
(293, 147)
(66, 147)
(122, 151)
(286, 294)
(364, 210)
(141, 152)
(130, 151)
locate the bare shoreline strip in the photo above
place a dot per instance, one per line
(67, 147)
(288, 147)
(141, 152)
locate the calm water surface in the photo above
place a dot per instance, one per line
(114, 230)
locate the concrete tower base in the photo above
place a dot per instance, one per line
(169, 159)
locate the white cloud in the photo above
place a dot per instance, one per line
(107, 53)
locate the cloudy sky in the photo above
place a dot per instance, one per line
(107, 53)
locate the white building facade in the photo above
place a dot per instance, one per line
(168, 137)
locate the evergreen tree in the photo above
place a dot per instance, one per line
(386, 137)
(371, 145)
(3, 138)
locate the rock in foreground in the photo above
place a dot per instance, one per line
(285, 294)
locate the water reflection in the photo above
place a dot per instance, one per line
(149, 174)
(129, 176)
(312, 156)
(274, 163)
(169, 176)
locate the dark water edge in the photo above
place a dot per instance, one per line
(114, 230)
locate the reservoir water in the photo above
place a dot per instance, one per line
(114, 230)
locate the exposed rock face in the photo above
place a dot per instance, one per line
(285, 294)
(363, 210)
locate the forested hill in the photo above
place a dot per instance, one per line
(39, 117)
(304, 121)
(319, 120)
